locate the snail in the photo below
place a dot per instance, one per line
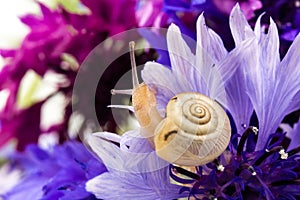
(195, 131)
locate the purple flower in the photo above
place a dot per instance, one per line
(207, 72)
(53, 36)
(182, 5)
(272, 85)
(250, 77)
(60, 172)
(134, 169)
(41, 51)
(266, 174)
(14, 121)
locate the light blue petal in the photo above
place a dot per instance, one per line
(182, 59)
(140, 173)
(258, 28)
(133, 142)
(294, 135)
(113, 186)
(239, 104)
(290, 76)
(110, 154)
(134, 157)
(225, 70)
(210, 47)
(270, 58)
(209, 51)
(257, 86)
(295, 103)
(281, 83)
(239, 26)
(133, 186)
(271, 85)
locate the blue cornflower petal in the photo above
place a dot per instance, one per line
(290, 76)
(134, 186)
(182, 59)
(134, 169)
(57, 173)
(209, 51)
(206, 72)
(182, 5)
(239, 104)
(272, 86)
(293, 134)
(239, 26)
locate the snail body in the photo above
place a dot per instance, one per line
(144, 104)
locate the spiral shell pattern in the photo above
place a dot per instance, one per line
(195, 131)
(194, 113)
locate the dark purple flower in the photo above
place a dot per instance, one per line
(41, 51)
(57, 173)
(16, 120)
(53, 36)
(265, 174)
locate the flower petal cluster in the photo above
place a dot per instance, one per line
(272, 85)
(58, 173)
(208, 71)
(134, 171)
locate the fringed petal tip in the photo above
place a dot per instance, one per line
(239, 26)
(173, 28)
(102, 144)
